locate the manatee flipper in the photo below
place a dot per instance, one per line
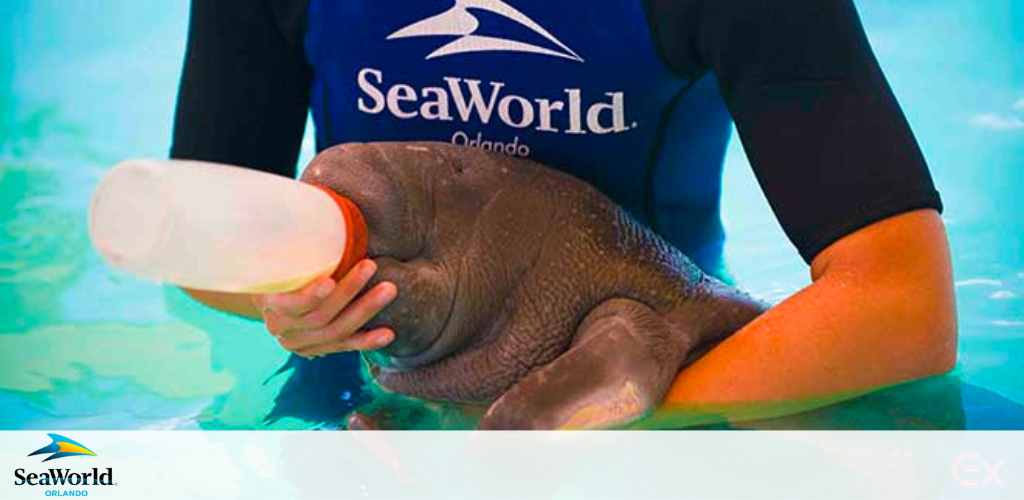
(622, 362)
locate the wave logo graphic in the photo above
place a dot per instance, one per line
(62, 447)
(458, 21)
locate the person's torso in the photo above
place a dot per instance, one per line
(577, 86)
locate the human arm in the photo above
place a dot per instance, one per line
(880, 311)
(243, 101)
(323, 317)
(845, 177)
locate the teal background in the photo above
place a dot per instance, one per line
(84, 85)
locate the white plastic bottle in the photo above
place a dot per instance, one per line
(221, 228)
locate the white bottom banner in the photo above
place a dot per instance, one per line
(514, 465)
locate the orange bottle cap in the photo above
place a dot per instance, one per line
(357, 234)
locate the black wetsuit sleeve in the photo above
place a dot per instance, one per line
(244, 89)
(827, 140)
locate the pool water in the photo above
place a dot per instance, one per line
(82, 347)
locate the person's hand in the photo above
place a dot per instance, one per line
(325, 317)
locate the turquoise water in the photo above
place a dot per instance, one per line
(82, 347)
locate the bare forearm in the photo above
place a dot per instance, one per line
(880, 311)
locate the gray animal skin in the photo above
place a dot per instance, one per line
(523, 288)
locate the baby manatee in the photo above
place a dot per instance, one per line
(522, 288)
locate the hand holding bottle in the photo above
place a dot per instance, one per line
(327, 316)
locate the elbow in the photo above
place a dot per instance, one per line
(941, 357)
(931, 338)
(943, 349)
(913, 320)
(912, 351)
(901, 271)
(936, 317)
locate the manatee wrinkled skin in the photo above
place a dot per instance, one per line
(523, 288)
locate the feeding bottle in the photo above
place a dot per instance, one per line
(222, 228)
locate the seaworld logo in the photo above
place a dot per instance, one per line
(562, 109)
(62, 447)
(459, 21)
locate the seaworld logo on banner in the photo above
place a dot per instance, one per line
(458, 21)
(472, 101)
(61, 447)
